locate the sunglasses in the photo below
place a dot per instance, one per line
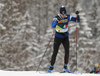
(63, 14)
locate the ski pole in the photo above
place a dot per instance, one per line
(45, 51)
(76, 45)
(77, 12)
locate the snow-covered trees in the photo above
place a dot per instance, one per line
(18, 42)
(25, 30)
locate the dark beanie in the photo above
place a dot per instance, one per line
(62, 8)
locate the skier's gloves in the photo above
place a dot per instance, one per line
(58, 19)
(77, 18)
(77, 12)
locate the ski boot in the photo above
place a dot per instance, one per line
(65, 68)
(50, 69)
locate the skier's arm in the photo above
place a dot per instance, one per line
(92, 70)
(55, 21)
(98, 71)
(75, 19)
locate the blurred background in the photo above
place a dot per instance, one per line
(25, 31)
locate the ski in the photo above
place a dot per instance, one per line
(67, 72)
(44, 72)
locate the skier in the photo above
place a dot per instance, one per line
(60, 22)
(96, 69)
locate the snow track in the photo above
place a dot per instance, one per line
(34, 73)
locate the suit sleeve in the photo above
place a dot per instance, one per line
(74, 19)
(99, 70)
(54, 22)
(92, 70)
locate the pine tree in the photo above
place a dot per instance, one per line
(18, 42)
(85, 45)
(95, 21)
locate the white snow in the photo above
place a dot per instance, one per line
(2, 27)
(25, 30)
(1, 5)
(34, 73)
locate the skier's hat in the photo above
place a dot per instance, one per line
(63, 10)
(96, 65)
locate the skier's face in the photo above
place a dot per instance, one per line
(63, 15)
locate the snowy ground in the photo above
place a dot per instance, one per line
(33, 73)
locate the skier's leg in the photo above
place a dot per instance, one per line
(57, 42)
(66, 47)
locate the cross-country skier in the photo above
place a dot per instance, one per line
(96, 69)
(60, 22)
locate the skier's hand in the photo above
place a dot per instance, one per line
(58, 19)
(77, 12)
(77, 15)
(91, 72)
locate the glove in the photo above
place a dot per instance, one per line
(58, 19)
(77, 18)
(91, 72)
(77, 12)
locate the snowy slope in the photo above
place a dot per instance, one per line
(33, 73)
